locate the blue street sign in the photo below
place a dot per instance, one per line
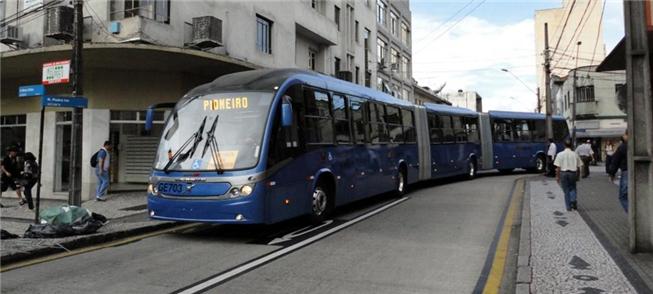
(31, 90)
(60, 101)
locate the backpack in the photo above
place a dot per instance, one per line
(94, 159)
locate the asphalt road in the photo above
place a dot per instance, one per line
(434, 241)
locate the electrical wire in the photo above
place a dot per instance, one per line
(580, 26)
(564, 26)
(445, 22)
(598, 32)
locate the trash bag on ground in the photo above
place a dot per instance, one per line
(65, 220)
(4, 235)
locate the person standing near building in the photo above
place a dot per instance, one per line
(10, 173)
(29, 177)
(609, 151)
(102, 170)
(550, 155)
(620, 162)
(568, 165)
(585, 152)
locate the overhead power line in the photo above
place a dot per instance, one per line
(581, 26)
(446, 21)
(564, 26)
(598, 32)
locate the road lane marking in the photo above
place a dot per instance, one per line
(234, 272)
(124, 241)
(493, 282)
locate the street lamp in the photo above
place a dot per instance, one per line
(522, 82)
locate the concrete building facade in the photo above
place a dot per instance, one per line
(600, 99)
(576, 21)
(465, 99)
(139, 53)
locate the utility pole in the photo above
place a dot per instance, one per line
(538, 109)
(638, 23)
(574, 99)
(547, 82)
(75, 186)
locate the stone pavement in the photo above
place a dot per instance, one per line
(584, 251)
(126, 212)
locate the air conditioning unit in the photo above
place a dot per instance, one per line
(59, 23)
(207, 32)
(9, 35)
(345, 75)
(394, 67)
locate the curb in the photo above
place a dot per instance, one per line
(82, 242)
(524, 270)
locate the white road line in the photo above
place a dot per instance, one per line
(276, 254)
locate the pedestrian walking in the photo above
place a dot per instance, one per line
(551, 152)
(585, 152)
(10, 173)
(568, 165)
(29, 177)
(102, 170)
(609, 151)
(619, 161)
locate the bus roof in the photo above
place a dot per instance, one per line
(441, 108)
(269, 79)
(520, 115)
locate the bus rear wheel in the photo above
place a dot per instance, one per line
(471, 169)
(400, 188)
(540, 164)
(320, 205)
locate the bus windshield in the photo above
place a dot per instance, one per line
(237, 122)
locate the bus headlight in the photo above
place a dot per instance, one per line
(245, 190)
(152, 189)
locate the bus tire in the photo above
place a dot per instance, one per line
(401, 183)
(540, 165)
(471, 169)
(321, 203)
(506, 171)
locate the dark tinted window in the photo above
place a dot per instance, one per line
(318, 127)
(471, 127)
(393, 124)
(435, 129)
(460, 133)
(358, 113)
(408, 122)
(560, 130)
(378, 131)
(539, 130)
(447, 128)
(502, 130)
(341, 119)
(522, 131)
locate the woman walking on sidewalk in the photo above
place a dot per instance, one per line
(568, 165)
(609, 151)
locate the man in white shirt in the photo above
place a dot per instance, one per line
(585, 152)
(568, 165)
(550, 156)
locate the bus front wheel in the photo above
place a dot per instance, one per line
(320, 205)
(471, 169)
(400, 188)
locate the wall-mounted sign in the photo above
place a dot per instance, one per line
(31, 90)
(60, 101)
(56, 72)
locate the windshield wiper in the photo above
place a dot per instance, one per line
(213, 146)
(195, 138)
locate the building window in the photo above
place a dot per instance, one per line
(380, 12)
(585, 94)
(158, 10)
(336, 16)
(405, 71)
(263, 34)
(379, 83)
(405, 34)
(380, 52)
(357, 32)
(350, 62)
(314, 4)
(393, 23)
(312, 54)
(12, 129)
(358, 73)
(336, 65)
(394, 59)
(620, 93)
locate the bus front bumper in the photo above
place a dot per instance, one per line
(243, 210)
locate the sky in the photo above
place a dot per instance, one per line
(467, 51)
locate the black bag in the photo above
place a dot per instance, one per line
(94, 159)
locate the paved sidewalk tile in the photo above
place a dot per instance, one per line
(566, 255)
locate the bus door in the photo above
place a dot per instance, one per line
(525, 148)
(360, 152)
(506, 155)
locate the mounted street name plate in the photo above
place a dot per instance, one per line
(59, 101)
(31, 90)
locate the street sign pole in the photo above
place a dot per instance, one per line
(75, 189)
(38, 182)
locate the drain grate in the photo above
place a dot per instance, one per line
(137, 207)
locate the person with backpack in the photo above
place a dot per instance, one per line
(29, 177)
(101, 161)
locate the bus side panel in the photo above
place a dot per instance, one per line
(290, 183)
(487, 159)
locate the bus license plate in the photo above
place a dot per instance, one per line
(171, 188)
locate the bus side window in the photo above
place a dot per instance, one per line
(539, 130)
(393, 121)
(286, 142)
(358, 115)
(318, 124)
(341, 118)
(471, 128)
(435, 129)
(408, 122)
(447, 129)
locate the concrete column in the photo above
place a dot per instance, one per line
(95, 132)
(32, 145)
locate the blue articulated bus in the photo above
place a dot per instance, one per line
(518, 140)
(264, 146)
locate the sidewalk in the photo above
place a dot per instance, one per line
(126, 213)
(579, 252)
